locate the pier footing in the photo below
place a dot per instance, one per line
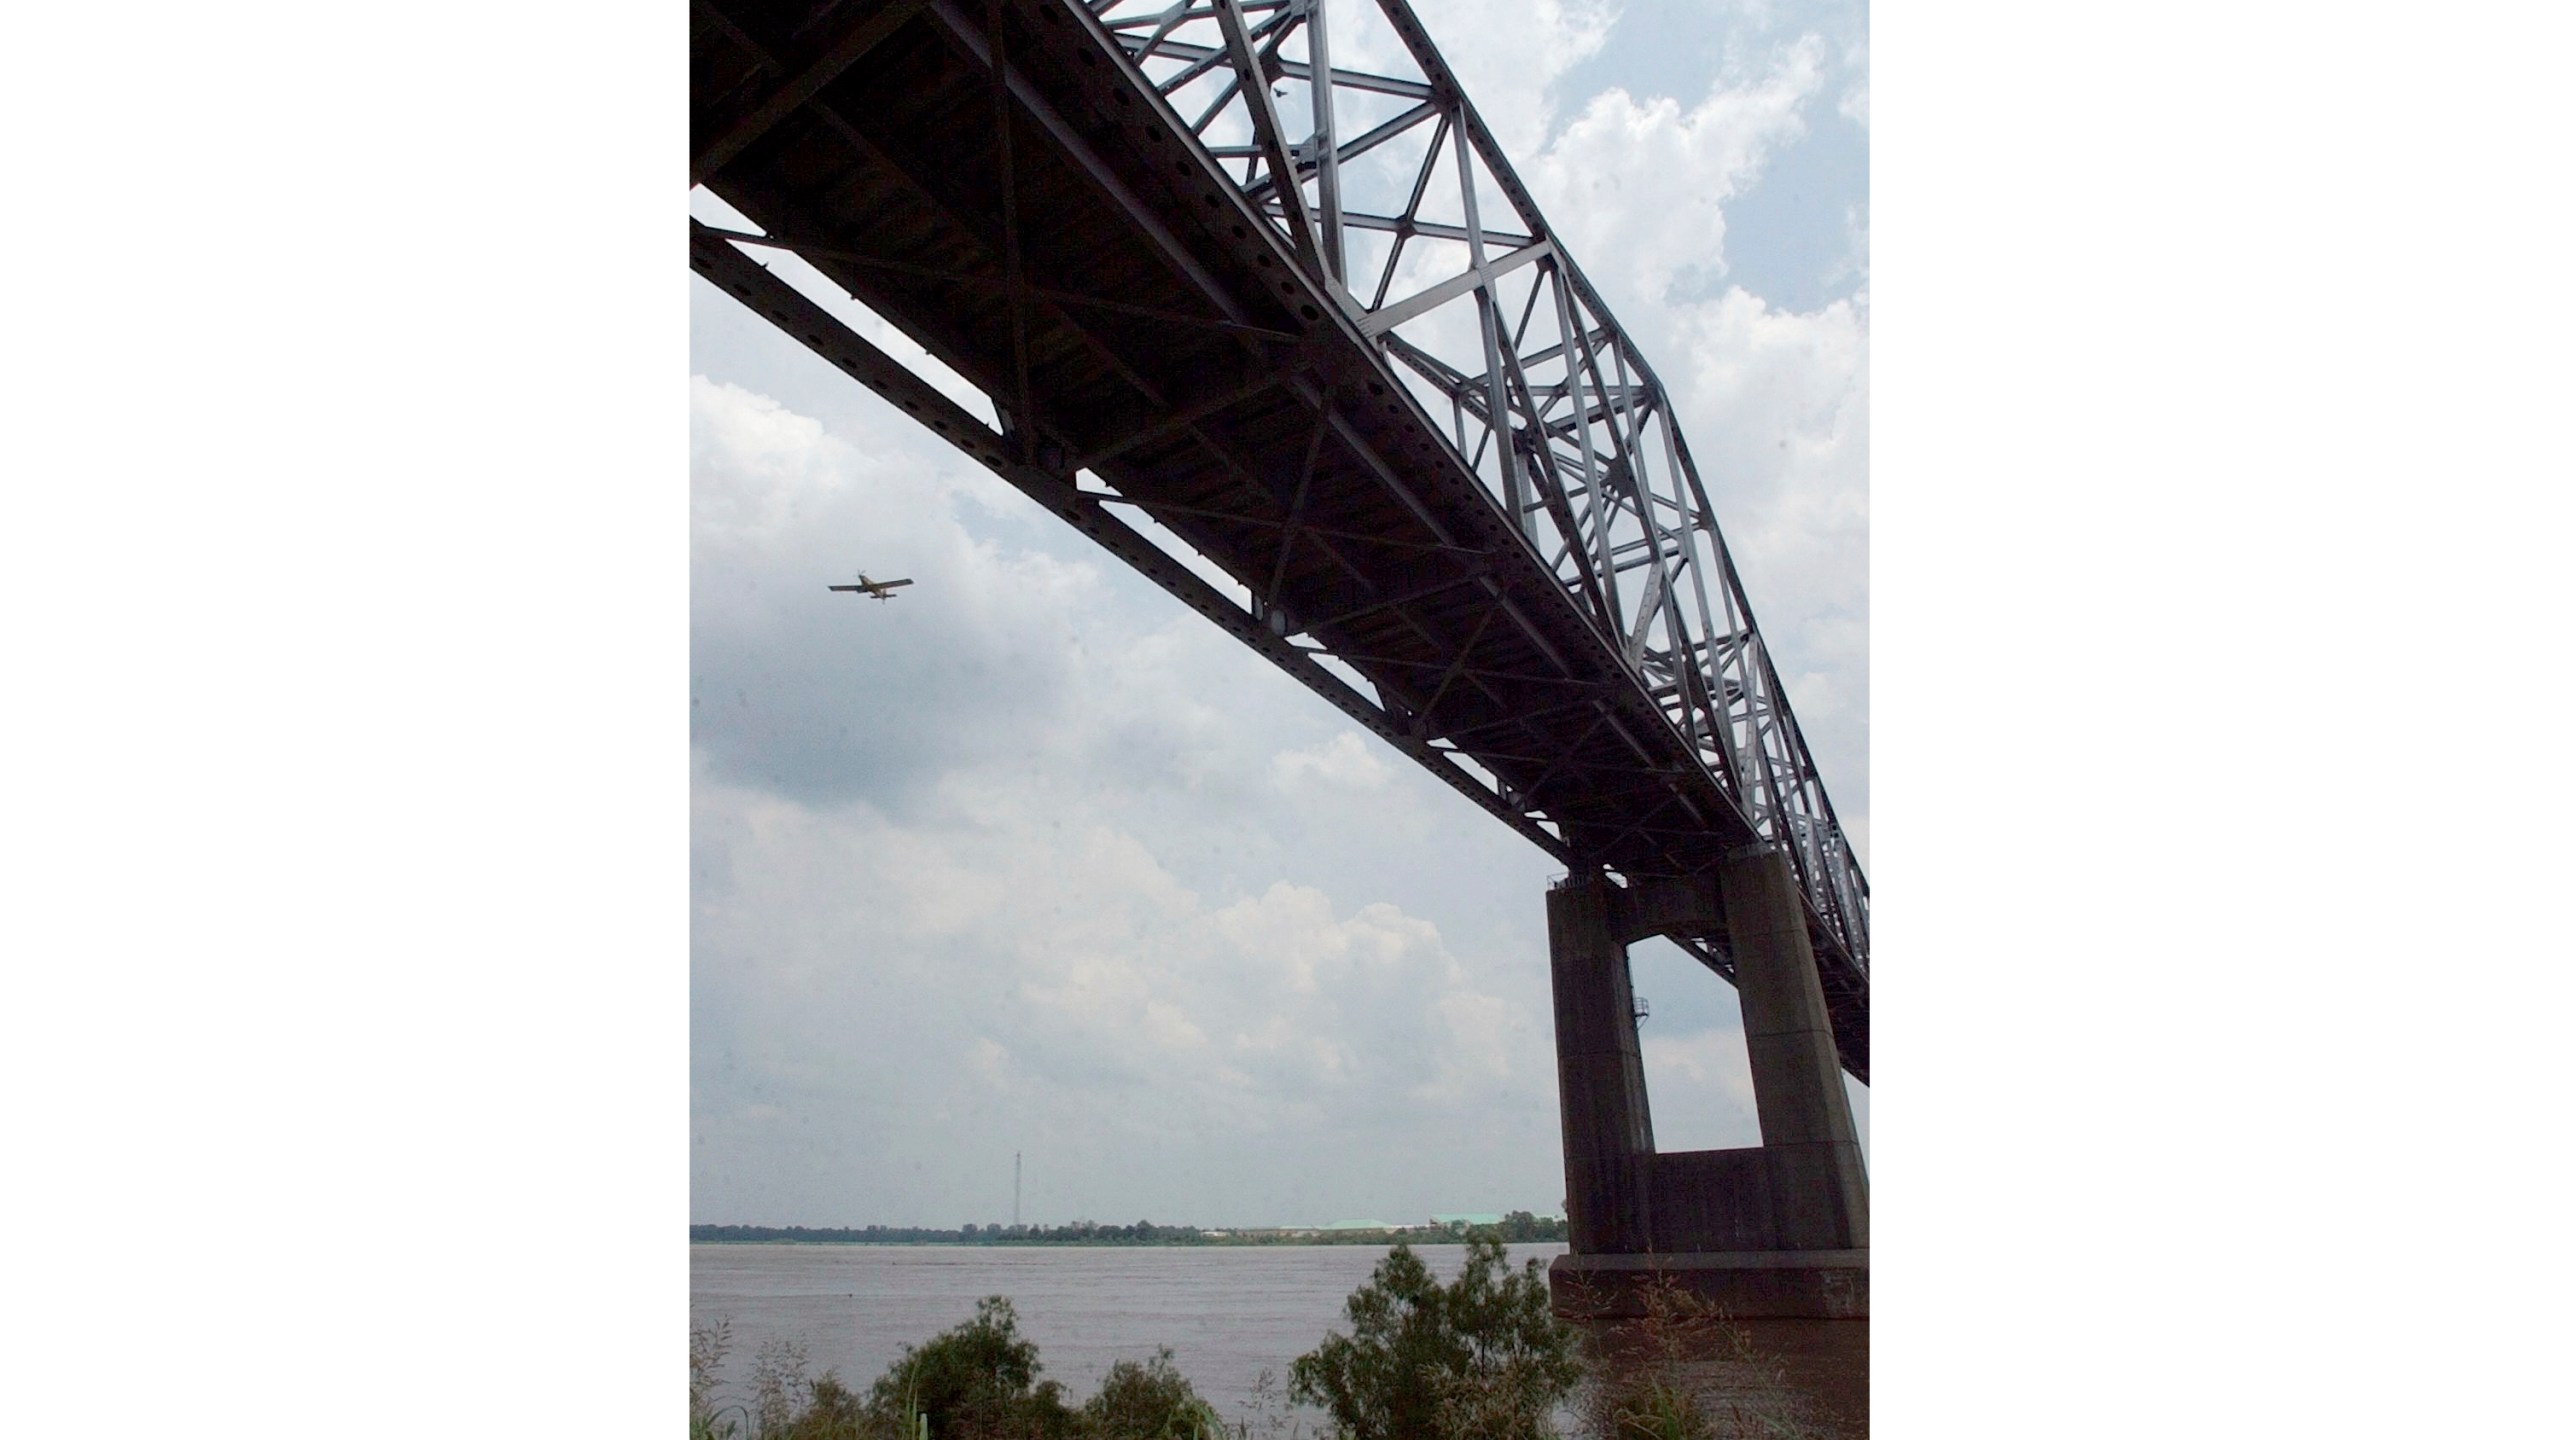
(1739, 1285)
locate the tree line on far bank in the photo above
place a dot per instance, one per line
(1518, 1227)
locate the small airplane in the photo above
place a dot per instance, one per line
(876, 589)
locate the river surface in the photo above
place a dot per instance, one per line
(1228, 1313)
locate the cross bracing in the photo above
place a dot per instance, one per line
(1258, 305)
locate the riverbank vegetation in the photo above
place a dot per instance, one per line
(1517, 1228)
(979, 1380)
(1481, 1357)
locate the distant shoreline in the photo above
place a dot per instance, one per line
(1519, 1228)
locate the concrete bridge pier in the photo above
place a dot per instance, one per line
(1776, 1231)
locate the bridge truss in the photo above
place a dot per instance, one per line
(1254, 273)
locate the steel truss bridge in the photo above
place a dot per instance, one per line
(1257, 304)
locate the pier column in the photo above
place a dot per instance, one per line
(1817, 1178)
(1608, 1126)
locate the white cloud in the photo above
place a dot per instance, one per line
(1713, 1058)
(1002, 852)
(1774, 404)
(1700, 1085)
(1636, 187)
(1083, 993)
(1343, 763)
(1507, 53)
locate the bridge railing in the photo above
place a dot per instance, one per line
(1342, 120)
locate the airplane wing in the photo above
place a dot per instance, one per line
(844, 587)
(890, 584)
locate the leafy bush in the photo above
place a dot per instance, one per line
(1148, 1402)
(979, 1378)
(1482, 1358)
(833, 1412)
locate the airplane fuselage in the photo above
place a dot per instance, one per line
(876, 589)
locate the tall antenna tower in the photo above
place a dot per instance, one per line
(1017, 1189)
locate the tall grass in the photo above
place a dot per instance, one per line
(1687, 1370)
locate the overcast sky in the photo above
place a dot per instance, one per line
(1035, 859)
